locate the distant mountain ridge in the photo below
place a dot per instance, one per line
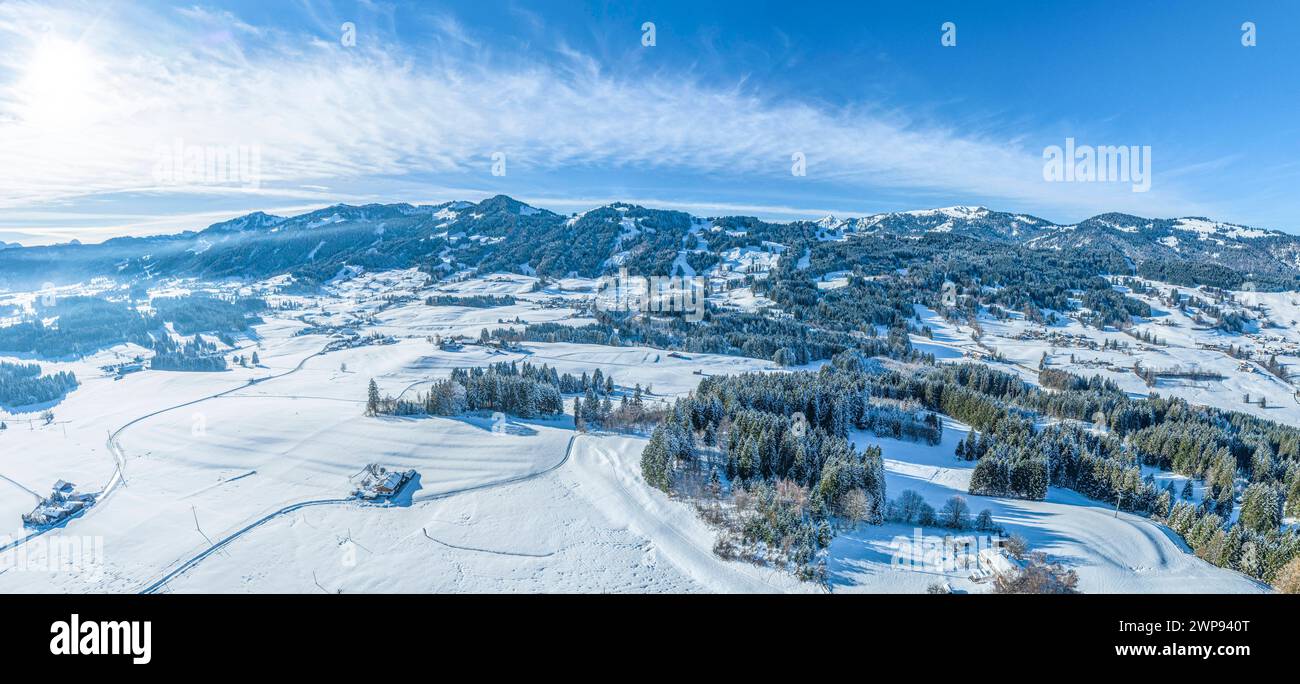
(501, 233)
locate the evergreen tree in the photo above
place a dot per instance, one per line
(655, 461)
(1224, 499)
(1293, 497)
(372, 399)
(1261, 509)
(1163, 502)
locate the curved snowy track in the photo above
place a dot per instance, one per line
(114, 447)
(494, 552)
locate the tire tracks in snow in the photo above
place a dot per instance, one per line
(519, 554)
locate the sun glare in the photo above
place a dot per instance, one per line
(57, 83)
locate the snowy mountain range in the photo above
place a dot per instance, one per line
(503, 234)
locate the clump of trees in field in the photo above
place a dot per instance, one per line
(482, 301)
(21, 384)
(521, 389)
(196, 354)
(778, 445)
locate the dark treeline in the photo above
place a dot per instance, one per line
(956, 274)
(782, 340)
(1193, 273)
(1110, 308)
(21, 384)
(475, 301)
(207, 313)
(83, 325)
(522, 389)
(1168, 433)
(1055, 379)
(196, 354)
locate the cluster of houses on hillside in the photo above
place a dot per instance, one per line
(355, 340)
(1057, 339)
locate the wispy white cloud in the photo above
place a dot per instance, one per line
(451, 28)
(320, 113)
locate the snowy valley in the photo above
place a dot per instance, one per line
(226, 458)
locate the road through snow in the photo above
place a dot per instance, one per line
(118, 478)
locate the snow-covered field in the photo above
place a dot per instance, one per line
(590, 525)
(214, 483)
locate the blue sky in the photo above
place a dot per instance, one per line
(94, 94)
